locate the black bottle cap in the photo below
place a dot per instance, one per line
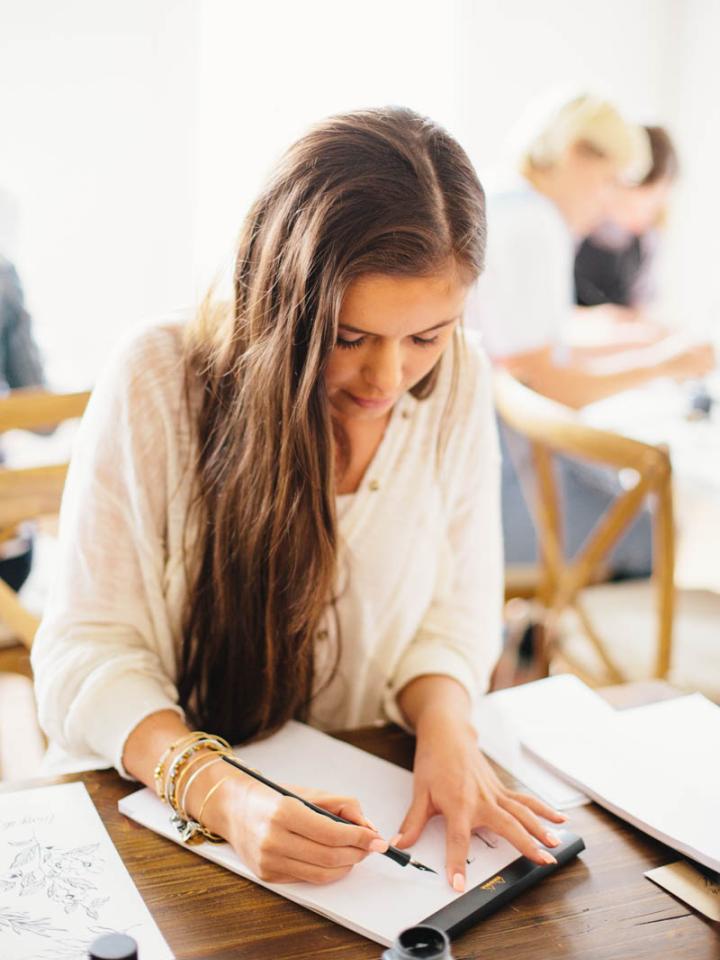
(113, 946)
(423, 941)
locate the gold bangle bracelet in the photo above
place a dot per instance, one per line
(208, 796)
(188, 765)
(181, 743)
(169, 793)
(209, 761)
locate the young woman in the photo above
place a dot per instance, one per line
(289, 508)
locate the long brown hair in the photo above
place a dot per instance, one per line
(665, 162)
(378, 191)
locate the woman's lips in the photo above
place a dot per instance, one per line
(371, 403)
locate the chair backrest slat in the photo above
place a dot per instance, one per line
(31, 493)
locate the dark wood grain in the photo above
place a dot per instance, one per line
(600, 907)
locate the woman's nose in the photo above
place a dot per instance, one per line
(384, 370)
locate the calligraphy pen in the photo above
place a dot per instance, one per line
(399, 856)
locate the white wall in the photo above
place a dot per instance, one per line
(97, 152)
(138, 131)
(691, 270)
(268, 70)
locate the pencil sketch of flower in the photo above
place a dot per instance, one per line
(64, 875)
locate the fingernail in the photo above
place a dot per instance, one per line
(545, 856)
(394, 841)
(563, 817)
(371, 825)
(458, 883)
(551, 838)
(379, 846)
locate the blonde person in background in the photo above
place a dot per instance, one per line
(567, 178)
(289, 508)
(615, 267)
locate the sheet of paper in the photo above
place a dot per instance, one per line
(655, 766)
(62, 882)
(378, 898)
(502, 717)
(690, 885)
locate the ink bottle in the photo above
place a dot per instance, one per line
(420, 943)
(113, 946)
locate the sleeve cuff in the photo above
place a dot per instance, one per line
(134, 698)
(421, 661)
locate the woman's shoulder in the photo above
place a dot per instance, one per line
(517, 210)
(149, 361)
(143, 381)
(152, 351)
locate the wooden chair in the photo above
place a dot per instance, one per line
(31, 493)
(551, 429)
(26, 494)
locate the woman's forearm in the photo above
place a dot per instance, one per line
(427, 698)
(148, 741)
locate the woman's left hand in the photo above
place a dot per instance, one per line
(452, 777)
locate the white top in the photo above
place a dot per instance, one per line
(420, 558)
(525, 297)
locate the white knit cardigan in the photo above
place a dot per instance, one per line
(420, 558)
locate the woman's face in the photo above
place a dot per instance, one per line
(638, 209)
(392, 331)
(586, 185)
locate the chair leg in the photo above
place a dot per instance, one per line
(614, 672)
(664, 566)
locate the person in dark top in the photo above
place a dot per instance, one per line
(614, 265)
(20, 366)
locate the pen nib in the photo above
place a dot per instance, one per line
(421, 866)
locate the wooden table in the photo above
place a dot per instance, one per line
(596, 908)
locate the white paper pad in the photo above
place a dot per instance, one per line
(378, 898)
(655, 766)
(502, 718)
(62, 882)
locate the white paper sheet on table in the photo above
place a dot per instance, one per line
(62, 882)
(655, 766)
(378, 898)
(502, 718)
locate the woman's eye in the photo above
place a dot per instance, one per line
(345, 344)
(425, 341)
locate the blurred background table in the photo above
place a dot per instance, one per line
(660, 413)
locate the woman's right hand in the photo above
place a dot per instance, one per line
(282, 840)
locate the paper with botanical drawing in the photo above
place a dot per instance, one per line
(378, 898)
(62, 882)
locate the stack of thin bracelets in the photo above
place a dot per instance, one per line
(196, 752)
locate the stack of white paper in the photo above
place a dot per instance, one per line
(503, 718)
(656, 766)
